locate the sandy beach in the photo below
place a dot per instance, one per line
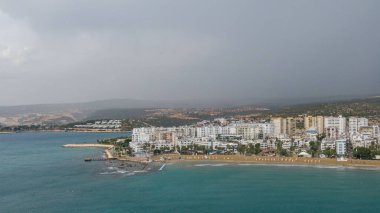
(97, 130)
(7, 132)
(88, 145)
(272, 160)
(237, 158)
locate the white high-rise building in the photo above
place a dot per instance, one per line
(340, 147)
(315, 122)
(276, 126)
(283, 126)
(339, 123)
(354, 124)
(262, 130)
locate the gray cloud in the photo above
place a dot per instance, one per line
(63, 51)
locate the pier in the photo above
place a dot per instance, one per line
(108, 153)
(95, 145)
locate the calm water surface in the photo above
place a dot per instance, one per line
(38, 175)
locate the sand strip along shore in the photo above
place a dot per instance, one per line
(7, 132)
(109, 154)
(107, 151)
(274, 160)
(107, 148)
(239, 158)
(88, 145)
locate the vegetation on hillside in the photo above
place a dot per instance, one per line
(121, 145)
(363, 107)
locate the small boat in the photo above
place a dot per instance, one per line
(87, 159)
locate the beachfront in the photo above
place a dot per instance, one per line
(271, 160)
(234, 158)
(95, 145)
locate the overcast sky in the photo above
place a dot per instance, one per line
(82, 50)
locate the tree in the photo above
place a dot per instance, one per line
(375, 148)
(146, 146)
(284, 152)
(278, 146)
(314, 148)
(329, 152)
(321, 136)
(257, 148)
(363, 153)
(157, 152)
(241, 149)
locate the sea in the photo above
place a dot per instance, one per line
(38, 175)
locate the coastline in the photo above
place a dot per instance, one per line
(96, 130)
(237, 159)
(88, 145)
(60, 130)
(7, 132)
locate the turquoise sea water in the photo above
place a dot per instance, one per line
(38, 175)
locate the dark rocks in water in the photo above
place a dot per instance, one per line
(136, 166)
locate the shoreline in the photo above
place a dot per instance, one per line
(97, 131)
(58, 130)
(296, 161)
(235, 159)
(7, 132)
(222, 163)
(82, 145)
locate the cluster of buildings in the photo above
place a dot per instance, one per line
(104, 124)
(333, 132)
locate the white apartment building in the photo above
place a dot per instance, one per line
(276, 124)
(337, 124)
(283, 126)
(263, 128)
(354, 124)
(143, 134)
(340, 147)
(314, 122)
(286, 145)
(327, 143)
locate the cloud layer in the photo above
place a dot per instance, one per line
(65, 51)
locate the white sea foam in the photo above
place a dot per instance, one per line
(108, 173)
(202, 164)
(219, 164)
(312, 166)
(111, 168)
(211, 164)
(245, 164)
(121, 171)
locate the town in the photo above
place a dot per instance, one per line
(303, 136)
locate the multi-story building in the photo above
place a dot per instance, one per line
(315, 122)
(336, 123)
(276, 126)
(371, 131)
(262, 130)
(354, 124)
(246, 131)
(332, 132)
(340, 147)
(283, 126)
(327, 143)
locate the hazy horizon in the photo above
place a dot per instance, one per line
(70, 51)
(189, 103)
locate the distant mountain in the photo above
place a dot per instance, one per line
(117, 114)
(125, 108)
(368, 107)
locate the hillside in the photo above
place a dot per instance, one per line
(369, 107)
